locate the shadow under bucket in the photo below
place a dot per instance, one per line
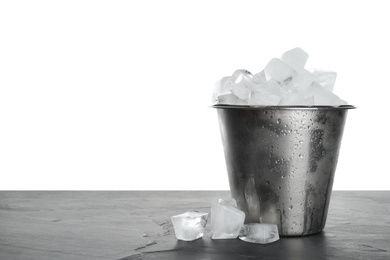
(281, 162)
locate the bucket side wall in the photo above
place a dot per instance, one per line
(281, 164)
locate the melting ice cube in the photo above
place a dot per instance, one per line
(259, 233)
(190, 225)
(227, 222)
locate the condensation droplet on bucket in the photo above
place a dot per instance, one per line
(278, 121)
(290, 208)
(301, 155)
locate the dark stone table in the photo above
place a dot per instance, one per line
(136, 225)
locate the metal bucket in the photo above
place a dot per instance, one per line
(281, 163)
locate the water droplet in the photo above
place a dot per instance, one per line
(290, 208)
(278, 121)
(301, 155)
(280, 187)
(290, 198)
(301, 141)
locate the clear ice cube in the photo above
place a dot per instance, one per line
(214, 206)
(283, 74)
(189, 225)
(243, 84)
(227, 99)
(294, 98)
(301, 80)
(278, 71)
(267, 94)
(222, 87)
(259, 233)
(295, 58)
(263, 98)
(259, 78)
(322, 96)
(325, 78)
(227, 222)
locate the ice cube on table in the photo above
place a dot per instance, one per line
(325, 78)
(215, 203)
(259, 233)
(227, 221)
(322, 96)
(189, 225)
(243, 84)
(295, 58)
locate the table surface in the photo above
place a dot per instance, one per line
(136, 225)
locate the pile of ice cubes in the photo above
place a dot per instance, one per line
(283, 82)
(227, 222)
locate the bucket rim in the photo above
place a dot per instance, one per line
(247, 107)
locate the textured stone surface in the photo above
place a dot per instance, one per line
(136, 225)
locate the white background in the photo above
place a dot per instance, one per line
(116, 94)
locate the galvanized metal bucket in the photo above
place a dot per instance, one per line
(281, 162)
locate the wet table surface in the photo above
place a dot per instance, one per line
(136, 225)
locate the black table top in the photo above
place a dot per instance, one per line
(136, 225)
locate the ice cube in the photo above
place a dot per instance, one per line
(222, 87)
(214, 206)
(295, 58)
(259, 78)
(243, 84)
(189, 225)
(227, 99)
(263, 98)
(270, 86)
(325, 78)
(294, 98)
(278, 71)
(227, 222)
(267, 94)
(301, 80)
(322, 96)
(259, 233)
